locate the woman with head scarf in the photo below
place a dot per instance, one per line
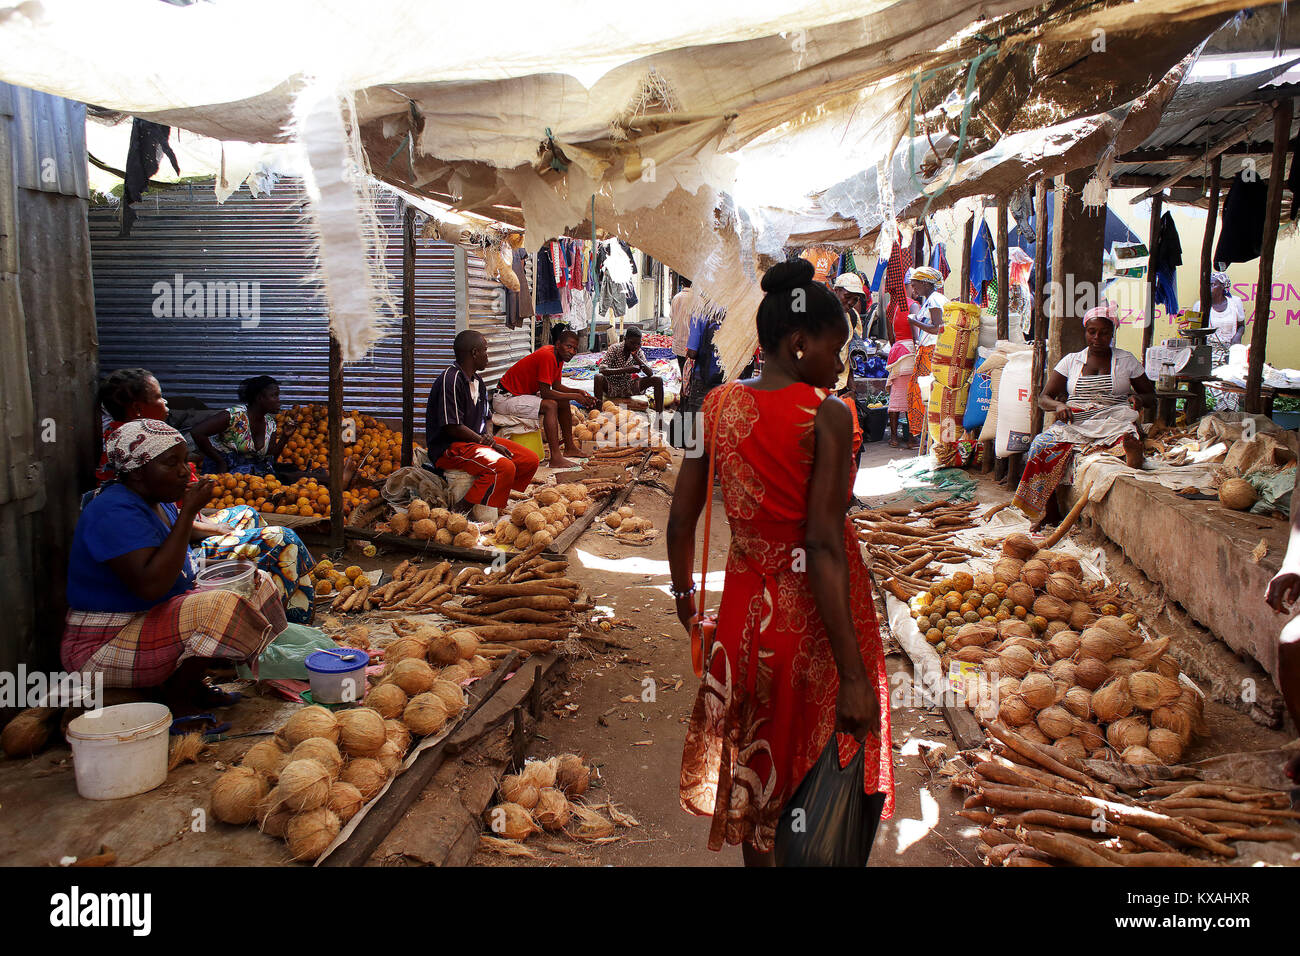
(1227, 316)
(1095, 394)
(796, 665)
(242, 439)
(238, 532)
(134, 616)
(926, 324)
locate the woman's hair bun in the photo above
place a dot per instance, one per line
(788, 275)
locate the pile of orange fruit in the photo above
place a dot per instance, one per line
(330, 579)
(304, 498)
(374, 442)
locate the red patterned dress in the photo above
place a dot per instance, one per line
(766, 708)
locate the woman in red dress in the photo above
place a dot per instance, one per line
(797, 654)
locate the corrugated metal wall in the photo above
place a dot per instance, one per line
(184, 230)
(47, 365)
(506, 346)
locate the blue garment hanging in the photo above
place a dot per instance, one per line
(982, 267)
(881, 265)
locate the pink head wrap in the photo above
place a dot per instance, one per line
(137, 443)
(1107, 310)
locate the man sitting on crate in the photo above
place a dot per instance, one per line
(456, 424)
(624, 372)
(531, 388)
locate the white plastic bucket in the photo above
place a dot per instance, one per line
(120, 751)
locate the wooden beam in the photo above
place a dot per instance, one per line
(1239, 134)
(1153, 233)
(336, 443)
(1272, 217)
(967, 239)
(1207, 242)
(1141, 157)
(408, 336)
(1004, 274)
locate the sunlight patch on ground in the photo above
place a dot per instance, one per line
(644, 566)
(913, 746)
(911, 832)
(881, 479)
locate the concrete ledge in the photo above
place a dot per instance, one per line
(1200, 553)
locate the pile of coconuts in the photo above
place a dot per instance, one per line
(543, 517)
(1065, 667)
(542, 798)
(321, 767)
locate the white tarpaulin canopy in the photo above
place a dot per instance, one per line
(703, 133)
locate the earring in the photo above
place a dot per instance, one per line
(798, 355)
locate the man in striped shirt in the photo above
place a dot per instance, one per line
(456, 425)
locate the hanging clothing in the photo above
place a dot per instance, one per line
(1021, 208)
(1242, 234)
(900, 262)
(983, 269)
(548, 292)
(939, 259)
(823, 262)
(1165, 259)
(766, 710)
(881, 266)
(519, 305)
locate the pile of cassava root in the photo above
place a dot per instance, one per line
(909, 541)
(1038, 806)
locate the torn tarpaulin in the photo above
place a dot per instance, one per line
(148, 146)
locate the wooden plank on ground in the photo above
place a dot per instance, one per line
(389, 809)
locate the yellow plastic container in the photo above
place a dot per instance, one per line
(530, 440)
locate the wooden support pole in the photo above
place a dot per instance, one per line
(1004, 274)
(1042, 240)
(966, 242)
(336, 444)
(1282, 111)
(1207, 242)
(408, 336)
(1153, 233)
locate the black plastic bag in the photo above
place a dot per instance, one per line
(825, 822)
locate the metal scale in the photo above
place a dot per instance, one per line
(1199, 361)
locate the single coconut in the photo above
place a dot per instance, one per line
(571, 775)
(1063, 644)
(1168, 668)
(424, 529)
(366, 774)
(457, 672)
(322, 750)
(1072, 747)
(543, 539)
(236, 794)
(1081, 616)
(27, 733)
(413, 676)
(397, 733)
(613, 520)
(1078, 701)
(535, 521)
(443, 650)
(1007, 686)
(388, 700)
(1015, 712)
(1014, 628)
(1015, 661)
(1091, 673)
(1153, 690)
(1038, 691)
(444, 537)
(452, 697)
(456, 523)
(1112, 700)
(1056, 722)
(418, 509)
(479, 666)
(1092, 735)
(1031, 733)
(1055, 627)
(404, 647)
(266, 758)
(1147, 652)
(389, 757)
(1098, 643)
(400, 523)
(1063, 670)
(1019, 546)
(314, 721)
(1021, 595)
(1065, 564)
(1237, 494)
(361, 730)
(465, 539)
(540, 773)
(511, 821)
(345, 800)
(1127, 732)
(552, 809)
(1034, 573)
(1174, 719)
(515, 789)
(309, 834)
(467, 644)
(1052, 609)
(425, 714)
(1165, 744)
(1007, 570)
(1139, 757)
(272, 815)
(304, 785)
(1064, 586)
(973, 635)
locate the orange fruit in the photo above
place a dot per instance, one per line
(304, 510)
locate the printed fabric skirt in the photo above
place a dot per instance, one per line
(145, 648)
(277, 550)
(1049, 464)
(766, 708)
(916, 408)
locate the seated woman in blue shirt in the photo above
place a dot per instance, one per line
(134, 615)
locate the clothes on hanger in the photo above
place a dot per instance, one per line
(548, 292)
(1165, 258)
(982, 267)
(823, 260)
(1242, 234)
(939, 259)
(519, 305)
